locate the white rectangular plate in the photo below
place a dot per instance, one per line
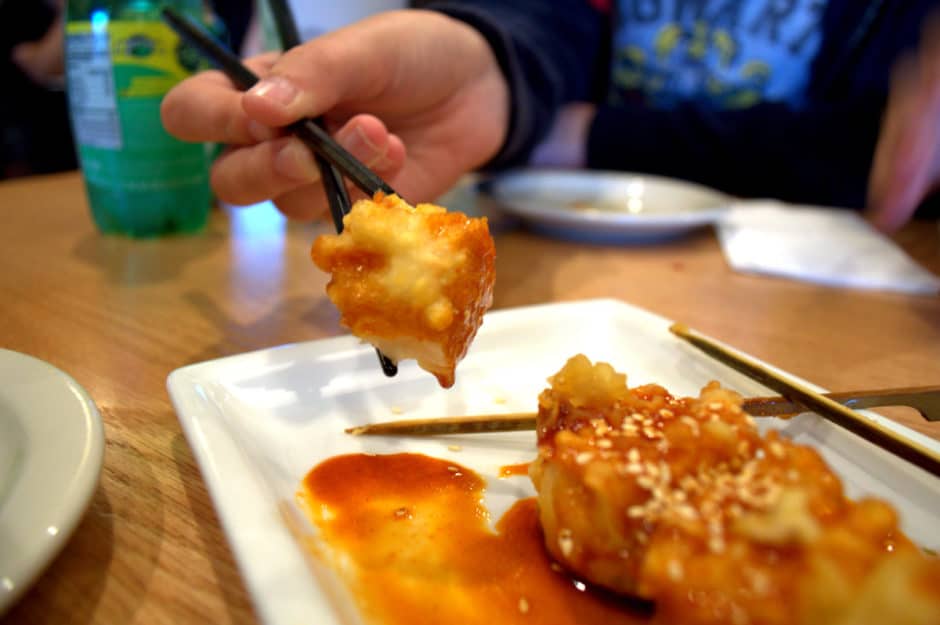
(258, 422)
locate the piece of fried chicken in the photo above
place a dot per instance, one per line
(683, 502)
(414, 281)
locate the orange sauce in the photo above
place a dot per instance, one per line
(416, 547)
(513, 470)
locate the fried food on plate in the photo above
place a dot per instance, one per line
(412, 280)
(682, 501)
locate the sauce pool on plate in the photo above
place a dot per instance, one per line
(411, 537)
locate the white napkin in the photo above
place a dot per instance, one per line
(826, 246)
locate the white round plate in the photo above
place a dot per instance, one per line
(51, 449)
(606, 206)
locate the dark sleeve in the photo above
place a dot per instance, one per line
(548, 51)
(819, 155)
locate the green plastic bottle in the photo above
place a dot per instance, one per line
(121, 59)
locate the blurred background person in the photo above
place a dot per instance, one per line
(35, 132)
(35, 136)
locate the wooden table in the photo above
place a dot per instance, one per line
(119, 315)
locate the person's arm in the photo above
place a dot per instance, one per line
(549, 52)
(906, 167)
(818, 155)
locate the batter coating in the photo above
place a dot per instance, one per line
(683, 502)
(413, 281)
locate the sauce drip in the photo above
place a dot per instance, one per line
(512, 470)
(413, 537)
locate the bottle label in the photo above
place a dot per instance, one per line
(118, 73)
(95, 118)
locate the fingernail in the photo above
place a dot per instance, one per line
(277, 90)
(362, 148)
(294, 161)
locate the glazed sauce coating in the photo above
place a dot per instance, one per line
(417, 548)
(414, 281)
(513, 470)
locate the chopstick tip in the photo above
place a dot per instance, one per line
(679, 329)
(389, 366)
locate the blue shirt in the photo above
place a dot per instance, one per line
(727, 54)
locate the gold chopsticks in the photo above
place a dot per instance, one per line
(825, 407)
(795, 398)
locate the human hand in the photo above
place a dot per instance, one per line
(566, 143)
(415, 95)
(906, 166)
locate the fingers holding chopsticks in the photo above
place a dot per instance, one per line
(208, 107)
(284, 170)
(432, 81)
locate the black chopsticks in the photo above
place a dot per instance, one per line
(331, 158)
(336, 193)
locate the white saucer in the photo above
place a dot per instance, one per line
(606, 207)
(51, 449)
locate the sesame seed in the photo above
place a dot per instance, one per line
(693, 425)
(523, 605)
(739, 616)
(565, 542)
(674, 570)
(584, 457)
(454, 447)
(716, 544)
(716, 405)
(687, 512)
(760, 583)
(402, 513)
(665, 413)
(636, 512)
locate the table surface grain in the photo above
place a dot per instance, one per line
(119, 315)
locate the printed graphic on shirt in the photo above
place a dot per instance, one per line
(727, 53)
